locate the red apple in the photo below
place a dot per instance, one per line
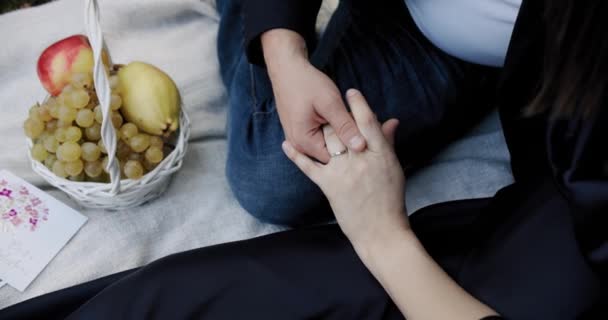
(58, 62)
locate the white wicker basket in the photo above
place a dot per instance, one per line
(117, 194)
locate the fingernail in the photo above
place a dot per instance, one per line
(351, 92)
(356, 142)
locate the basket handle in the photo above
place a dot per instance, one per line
(102, 87)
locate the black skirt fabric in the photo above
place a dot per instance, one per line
(538, 249)
(516, 252)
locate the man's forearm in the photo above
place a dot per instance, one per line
(415, 282)
(282, 46)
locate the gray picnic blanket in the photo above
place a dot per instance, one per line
(198, 208)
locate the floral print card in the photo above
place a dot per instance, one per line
(34, 227)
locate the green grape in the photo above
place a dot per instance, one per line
(64, 124)
(148, 165)
(67, 90)
(73, 134)
(59, 169)
(104, 163)
(128, 130)
(102, 147)
(93, 168)
(93, 133)
(82, 80)
(44, 113)
(122, 150)
(51, 126)
(116, 120)
(34, 112)
(80, 99)
(50, 143)
(118, 134)
(67, 114)
(140, 142)
(121, 164)
(54, 111)
(39, 152)
(133, 169)
(33, 128)
(114, 83)
(135, 156)
(85, 118)
(156, 141)
(69, 151)
(98, 114)
(74, 168)
(60, 134)
(43, 136)
(115, 102)
(50, 160)
(90, 151)
(65, 98)
(154, 155)
(52, 101)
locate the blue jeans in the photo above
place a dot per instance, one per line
(375, 48)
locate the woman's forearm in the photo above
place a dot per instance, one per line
(415, 282)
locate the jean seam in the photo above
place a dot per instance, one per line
(252, 90)
(254, 95)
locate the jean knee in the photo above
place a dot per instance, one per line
(276, 196)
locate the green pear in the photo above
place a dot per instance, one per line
(150, 98)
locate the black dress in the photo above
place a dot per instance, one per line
(538, 249)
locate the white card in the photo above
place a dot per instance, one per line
(33, 228)
(2, 283)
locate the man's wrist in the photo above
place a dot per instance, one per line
(282, 46)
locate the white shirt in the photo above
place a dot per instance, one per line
(477, 31)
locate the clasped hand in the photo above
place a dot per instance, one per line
(365, 188)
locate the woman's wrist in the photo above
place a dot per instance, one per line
(415, 281)
(375, 247)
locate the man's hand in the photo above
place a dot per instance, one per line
(306, 98)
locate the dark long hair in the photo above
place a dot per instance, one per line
(575, 68)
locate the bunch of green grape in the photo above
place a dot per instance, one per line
(66, 131)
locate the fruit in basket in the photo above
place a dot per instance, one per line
(133, 169)
(66, 134)
(69, 151)
(33, 127)
(65, 61)
(150, 98)
(65, 130)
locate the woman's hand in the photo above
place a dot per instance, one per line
(365, 189)
(366, 192)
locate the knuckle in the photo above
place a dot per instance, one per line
(347, 127)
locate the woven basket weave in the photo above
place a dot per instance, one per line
(118, 194)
